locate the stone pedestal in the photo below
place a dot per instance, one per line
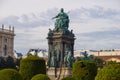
(59, 42)
(60, 73)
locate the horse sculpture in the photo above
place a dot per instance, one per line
(86, 56)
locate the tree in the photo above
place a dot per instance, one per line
(110, 72)
(2, 63)
(68, 78)
(17, 63)
(31, 66)
(10, 62)
(40, 77)
(99, 62)
(84, 70)
(10, 74)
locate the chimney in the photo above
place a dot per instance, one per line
(2, 26)
(13, 28)
(10, 28)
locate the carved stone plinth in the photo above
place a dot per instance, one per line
(60, 73)
(59, 42)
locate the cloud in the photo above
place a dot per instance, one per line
(99, 40)
(94, 28)
(31, 38)
(81, 15)
(31, 20)
(86, 14)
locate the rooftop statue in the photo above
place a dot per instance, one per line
(86, 57)
(62, 20)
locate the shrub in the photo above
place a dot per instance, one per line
(99, 62)
(10, 63)
(31, 66)
(84, 70)
(110, 72)
(40, 77)
(68, 78)
(10, 74)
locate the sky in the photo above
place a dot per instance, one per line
(95, 23)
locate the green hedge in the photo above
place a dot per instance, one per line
(110, 72)
(10, 74)
(84, 70)
(40, 77)
(31, 66)
(68, 78)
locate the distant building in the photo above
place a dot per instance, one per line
(106, 55)
(6, 41)
(17, 55)
(38, 52)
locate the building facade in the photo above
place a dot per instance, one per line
(112, 55)
(6, 41)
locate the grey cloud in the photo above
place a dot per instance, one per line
(85, 14)
(81, 15)
(31, 20)
(99, 40)
(103, 34)
(10, 20)
(25, 41)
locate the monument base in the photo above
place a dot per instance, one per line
(60, 73)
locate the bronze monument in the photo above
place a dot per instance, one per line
(60, 43)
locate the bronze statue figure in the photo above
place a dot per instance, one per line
(68, 59)
(62, 20)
